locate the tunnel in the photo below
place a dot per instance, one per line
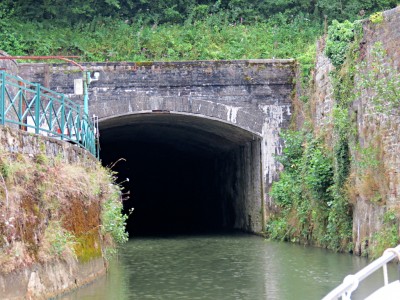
(184, 174)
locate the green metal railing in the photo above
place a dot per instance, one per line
(33, 108)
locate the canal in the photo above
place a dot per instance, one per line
(222, 266)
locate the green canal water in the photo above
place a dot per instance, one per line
(229, 266)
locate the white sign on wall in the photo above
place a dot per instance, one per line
(78, 86)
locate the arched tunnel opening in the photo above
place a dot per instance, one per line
(185, 174)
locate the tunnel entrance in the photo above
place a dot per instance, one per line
(187, 174)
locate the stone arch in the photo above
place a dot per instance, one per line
(251, 95)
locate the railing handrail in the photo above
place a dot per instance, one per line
(350, 282)
(29, 105)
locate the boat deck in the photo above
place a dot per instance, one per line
(387, 292)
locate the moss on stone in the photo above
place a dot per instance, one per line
(50, 208)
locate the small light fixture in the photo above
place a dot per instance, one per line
(96, 76)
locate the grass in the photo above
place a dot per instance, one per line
(210, 39)
(52, 209)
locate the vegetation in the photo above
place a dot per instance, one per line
(340, 36)
(388, 236)
(380, 85)
(128, 30)
(322, 180)
(311, 208)
(312, 195)
(321, 170)
(51, 210)
(113, 222)
(178, 12)
(114, 40)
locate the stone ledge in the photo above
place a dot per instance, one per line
(50, 279)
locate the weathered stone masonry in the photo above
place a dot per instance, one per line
(252, 95)
(380, 131)
(240, 92)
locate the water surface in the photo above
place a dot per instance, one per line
(234, 266)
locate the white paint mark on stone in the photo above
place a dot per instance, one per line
(232, 113)
(271, 146)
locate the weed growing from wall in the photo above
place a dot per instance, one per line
(340, 35)
(58, 239)
(379, 83)
(387, 237)
(376, 18)
(113, 221)
(369, 169)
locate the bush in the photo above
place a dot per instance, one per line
(340, 35)
(10, 40)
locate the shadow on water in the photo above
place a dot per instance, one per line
(222, 266)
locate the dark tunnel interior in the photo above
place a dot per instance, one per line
(168, 167)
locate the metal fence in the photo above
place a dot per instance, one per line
(33, 108)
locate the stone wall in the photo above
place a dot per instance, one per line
(31, 277)
(239, 92)
(322, 99)
(22, 142)
(47, 281)
(10, 66)
(238, 183)
(378, 131)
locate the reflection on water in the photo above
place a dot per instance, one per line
(235, 266)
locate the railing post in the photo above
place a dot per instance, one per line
(37, 109)
(78, 126)
(86, 81)
(20, 100)
(50, 125)
(85, 131)
(3, 96)
(62, 117)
